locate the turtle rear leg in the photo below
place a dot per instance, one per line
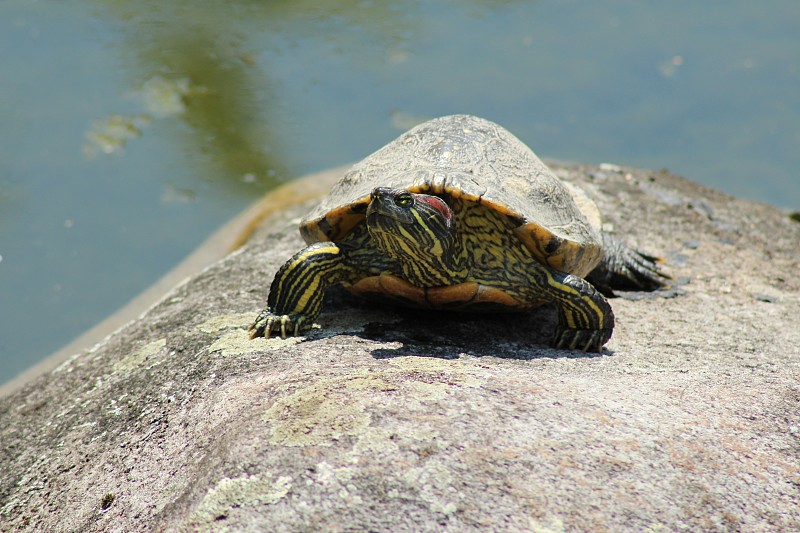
(626, 268)
(296, 293)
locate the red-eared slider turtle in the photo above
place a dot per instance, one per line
(458, 213)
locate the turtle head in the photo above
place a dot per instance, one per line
(419, 231)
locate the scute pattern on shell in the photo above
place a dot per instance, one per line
(471, 158)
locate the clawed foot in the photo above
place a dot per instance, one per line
(586, 340)
(268, 323)
(627, 269)
(639, 271)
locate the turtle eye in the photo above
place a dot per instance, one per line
(404, 199)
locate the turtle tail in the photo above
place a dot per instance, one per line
(627, 269)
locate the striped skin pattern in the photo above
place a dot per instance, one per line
(421, 236)
(500, 260)
(420, 253)
(295, 297)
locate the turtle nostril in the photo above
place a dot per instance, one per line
(377, 192)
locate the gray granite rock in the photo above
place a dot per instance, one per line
(395, 420)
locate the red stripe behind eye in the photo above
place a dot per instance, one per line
(437, 203)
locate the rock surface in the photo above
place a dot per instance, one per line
(396, 420)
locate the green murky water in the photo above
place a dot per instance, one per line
(130, 130)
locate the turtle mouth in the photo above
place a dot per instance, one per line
(383, 219)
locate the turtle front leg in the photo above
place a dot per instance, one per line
(585, 318)
(296, 293)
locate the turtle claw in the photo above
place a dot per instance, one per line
(267, 323)
(585, 340)
(625, 268)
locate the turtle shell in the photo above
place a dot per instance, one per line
(470, 158)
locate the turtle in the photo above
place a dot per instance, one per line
(459, 214)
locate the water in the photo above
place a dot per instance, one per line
(129, 131)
